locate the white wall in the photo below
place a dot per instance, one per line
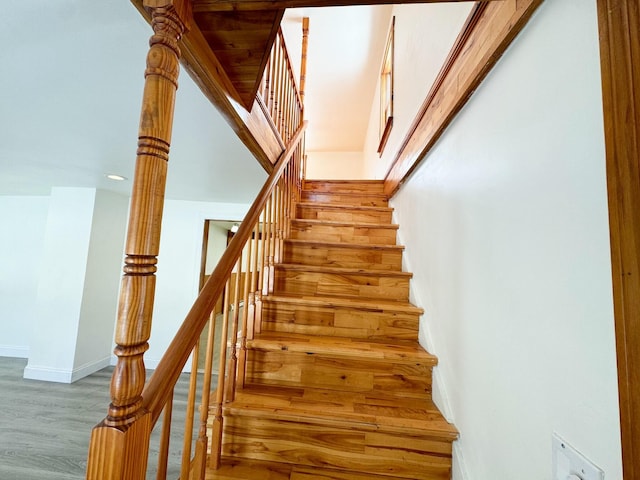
(179, 267)
(506, 230)
(424, 35)
(23, 220)
(101, 287)
(335, 165)
(61, 283)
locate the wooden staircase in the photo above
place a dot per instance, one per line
(336, 385)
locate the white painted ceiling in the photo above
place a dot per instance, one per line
(71, 89)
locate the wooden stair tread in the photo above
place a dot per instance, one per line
(343, 347)
(315, 181)
(350, 410)
(372, 199)
(363, 304)
(335, 223)
(296, 241)
(379, 195)
(336, 385)
(301, 267)
(341, 206)
(233, 468)
(366, 184)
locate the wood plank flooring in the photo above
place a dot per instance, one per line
(45, 426)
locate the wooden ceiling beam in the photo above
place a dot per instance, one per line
(255, 5)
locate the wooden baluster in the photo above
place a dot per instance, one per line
(119, 445)
(281, 93)
(163, 453)
(253, 294)
(187, 439)
(262, 263)
(271, 244)
(276, 83)
(233, 358)
(294, 191)
(262, 88)
(286, 88)
(267, 81)
(272, 77)
(281, 222)
(294, 107)
(267, 245)
(289, 204)
(277, 194)
(282, 217)
(292, 104)
(246, 311)
(294, 110)
(273, 239)
(303, 61)
(216, 435)
(202, 442)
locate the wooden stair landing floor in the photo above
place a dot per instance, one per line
(353, 410)
(239, 469)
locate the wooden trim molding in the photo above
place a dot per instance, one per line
(619, 25)
(486, 35)
(385, 135)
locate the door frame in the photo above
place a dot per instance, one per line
(619, 27)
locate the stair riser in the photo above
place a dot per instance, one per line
(339, 322)
(347, 257)
(346, 214)
(422, 457)
(344, 187)
(344, 374)
(344, 234)
(343, 285)
(345, 199)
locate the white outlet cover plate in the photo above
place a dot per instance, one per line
(568, 461)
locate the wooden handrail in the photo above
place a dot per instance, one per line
(158, 390)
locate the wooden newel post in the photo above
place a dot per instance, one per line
(303, 62)
(119, 445)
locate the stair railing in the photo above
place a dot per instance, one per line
(242, 277)
(279, 93)
(244, 274)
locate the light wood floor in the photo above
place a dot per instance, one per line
(45, 427)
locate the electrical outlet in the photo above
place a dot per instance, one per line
(568, 463)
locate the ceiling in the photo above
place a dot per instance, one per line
(72, 84)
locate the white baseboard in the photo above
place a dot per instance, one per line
(47, 374)
(89, 368)
(60, 375)
(15, 351)
(459, 470)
